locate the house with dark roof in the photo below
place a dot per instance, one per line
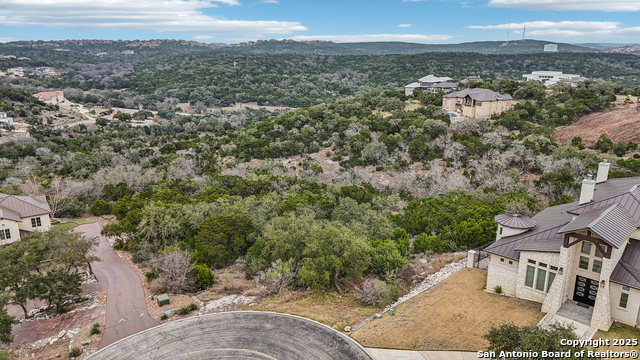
(476, 103)
(585, 253)
(20, 215)
(428, 84)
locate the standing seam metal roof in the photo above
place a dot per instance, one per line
(515, 221)
(613, 224)
(626, 271)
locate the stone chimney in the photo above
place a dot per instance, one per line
(603, 171)
(588, 187)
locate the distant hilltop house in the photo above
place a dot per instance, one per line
(550, 78)
(24, 58)
(431, 83)
(470, 79)
(8, 57)
(17, 71)
(46, 70)
(54, 97)
(5, 120)
(551, 48)
(476, 103)
(21, 215)
(581, 258)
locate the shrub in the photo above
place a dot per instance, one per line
(374, 291)
(151, 275)
(95, 329)
(202, 276)
(498, 289)
(604, 144)
(4, 354)
(100, 207)
(187, 309)
(420, 244)
(75, 352)
(164, 317)
(226, 277)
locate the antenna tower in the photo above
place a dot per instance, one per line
(524, 31)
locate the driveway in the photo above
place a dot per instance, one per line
(254, 335)
(126, 308)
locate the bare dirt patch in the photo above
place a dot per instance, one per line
(330, 308)
(621, 123)
(59, 347)
(452, 315)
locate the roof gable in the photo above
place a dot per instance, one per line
(25, 206)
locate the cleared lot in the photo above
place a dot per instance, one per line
(452, 315)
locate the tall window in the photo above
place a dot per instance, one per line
(531, 271)
(624, 299)
(36, 222)
(584, 263)
(542, 275)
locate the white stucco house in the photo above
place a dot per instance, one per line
(550, 78)
(583, 255)
(20, 215)
(5, 120)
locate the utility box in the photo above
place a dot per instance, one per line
(163, 299)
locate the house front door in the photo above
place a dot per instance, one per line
(586, 290)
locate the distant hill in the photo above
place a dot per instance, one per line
(384, 48)
(602, 46)
(316, 47)
(633, 49)
(484, 47)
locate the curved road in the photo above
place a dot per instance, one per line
(126, 307)
(238, 335)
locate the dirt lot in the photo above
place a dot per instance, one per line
(621, 123)
(329, 308)
(59, 349)
(452, 315)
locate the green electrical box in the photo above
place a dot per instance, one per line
(163, 299)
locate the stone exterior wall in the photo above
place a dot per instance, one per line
(602, 309)
(531, 293)
(502, 274)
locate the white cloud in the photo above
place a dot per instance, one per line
(375, 37)
(569, 5)
(183, 16)
(573, 25)
(7, 39)
(404, 25)
(270, 1)
(412, 0)
(568, 29)
(204, 37)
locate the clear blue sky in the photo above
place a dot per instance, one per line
(230, 21)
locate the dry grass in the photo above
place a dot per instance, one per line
(618, 331)
(330, 308)
(453, 315)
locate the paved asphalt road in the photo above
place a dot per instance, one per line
(126, 308)
(238, 335)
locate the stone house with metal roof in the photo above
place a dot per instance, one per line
(476, 103)
(583, 255)
(20, 215)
